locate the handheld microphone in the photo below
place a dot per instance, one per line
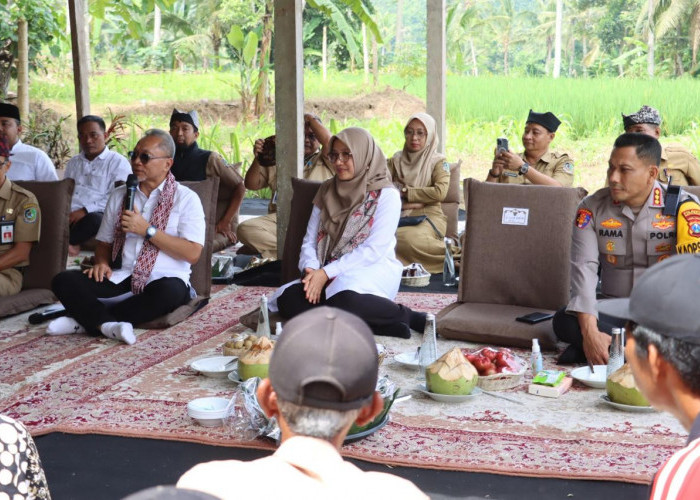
(131, 183)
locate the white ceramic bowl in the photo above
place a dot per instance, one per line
(596, 379)
(209, 412)
(214, 367)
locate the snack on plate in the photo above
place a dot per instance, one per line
(239, 344)
(491, 361)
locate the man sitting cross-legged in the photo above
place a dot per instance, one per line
(158, 241)
(323, 375)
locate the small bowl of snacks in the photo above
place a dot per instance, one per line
(239, 344)
(208, 412)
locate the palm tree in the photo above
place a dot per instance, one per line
(509, 27)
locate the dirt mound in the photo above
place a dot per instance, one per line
(387, 103)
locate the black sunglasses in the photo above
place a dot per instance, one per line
(144, 157)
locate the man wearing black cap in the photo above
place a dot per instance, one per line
(28, 163)
(322, 379)
(537, 165)
(622, 230)
(663, 350)
(195, 164)
(20, 224)
(676, 160)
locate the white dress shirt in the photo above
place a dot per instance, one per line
(95, 179)
(30, 164)
(186, 221)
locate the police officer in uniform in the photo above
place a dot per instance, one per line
(191, 163)
(20, 223)
(537, 165)
(622, 229)
(676, 160)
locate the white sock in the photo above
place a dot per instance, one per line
(119, 331)
(64, 326)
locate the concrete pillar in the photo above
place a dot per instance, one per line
(81, 57)
(289, 107)
(436, 73)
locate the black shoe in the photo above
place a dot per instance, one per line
(417, 321)
(399, 330)
(572, 355)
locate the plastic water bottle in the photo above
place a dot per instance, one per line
(617, 352)
(536, 357)
(263, 320)
(428, 348)
(449, 277)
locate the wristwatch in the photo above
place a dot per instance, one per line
(524, 168)
(151, 232)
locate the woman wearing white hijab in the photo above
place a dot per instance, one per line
(423, 177)
(347, 258)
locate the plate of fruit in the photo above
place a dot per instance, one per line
(498, 367)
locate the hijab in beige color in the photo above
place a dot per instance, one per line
(416, 169)
(337, 199)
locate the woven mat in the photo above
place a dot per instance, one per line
(83, 385)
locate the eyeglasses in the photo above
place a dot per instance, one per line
(145, 157)
(342, 156)
(418, 133)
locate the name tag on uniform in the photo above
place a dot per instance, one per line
(7, 232)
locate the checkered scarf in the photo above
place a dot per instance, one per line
(149, 252)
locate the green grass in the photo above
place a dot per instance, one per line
(478, 111)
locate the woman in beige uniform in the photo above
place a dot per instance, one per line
(422, 176)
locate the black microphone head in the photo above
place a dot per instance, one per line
(132, 181)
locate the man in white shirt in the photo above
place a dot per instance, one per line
(28, 163)
(95, 170)
(322, 379)
(158, 241)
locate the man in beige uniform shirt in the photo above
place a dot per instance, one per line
(20, 224)
(622, 229)
(260, 233)
(322, 379)
(676, 160)
(537, 165)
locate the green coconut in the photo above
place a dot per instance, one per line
(451, 374)
(255, 362)
(623, 389)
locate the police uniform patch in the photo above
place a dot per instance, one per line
(583, 217)
(658, 198)
(664, 247)
(612, 259)
(692, 217)
(663, 222)
(610, 246)
(663, 257)
(30, 214)
(611, 223)
(569, 168)
(446, 167)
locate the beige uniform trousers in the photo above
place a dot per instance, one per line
(10, 282)
(260, 233)
(420, 243)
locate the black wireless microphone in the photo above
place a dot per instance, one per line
(131, 183)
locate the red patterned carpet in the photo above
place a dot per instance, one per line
(84, 385)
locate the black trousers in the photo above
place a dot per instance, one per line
(85, 228)
(79, 295)
(567, 329)
(376, 311)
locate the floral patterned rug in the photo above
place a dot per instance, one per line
(84, 385)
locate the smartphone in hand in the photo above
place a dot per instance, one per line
(501, 145)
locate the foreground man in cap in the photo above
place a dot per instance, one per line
(621, 229)
(20, 224)
(676, 160)
(28, 163)
(95, 171)
(194, 164)
(663, 350)
(260, 233)
(322, 379)
(157, 241)
(537, 165)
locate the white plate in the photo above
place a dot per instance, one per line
(445, 398)
(214, 366)
(630, 408)
(595, 380)
(409, 359)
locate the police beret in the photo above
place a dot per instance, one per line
(9, 111)
(646, 114)
(547, 120)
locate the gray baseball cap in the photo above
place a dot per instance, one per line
(325, 358)
(664, 299)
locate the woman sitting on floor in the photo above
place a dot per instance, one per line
(423, 177)
(347, 259)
